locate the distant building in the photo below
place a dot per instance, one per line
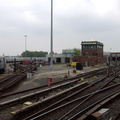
(18, 58)
(114, 58)
(68, 51)
(91, 53)
(65, 57)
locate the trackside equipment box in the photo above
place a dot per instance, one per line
(73, 63)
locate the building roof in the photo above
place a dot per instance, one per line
(91, 43)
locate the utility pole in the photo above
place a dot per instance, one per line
(51, 53)
(25, 45)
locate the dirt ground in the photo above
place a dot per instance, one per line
(58, 70)
(61, 71)
(58, 73)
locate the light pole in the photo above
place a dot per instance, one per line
(25, 44)
(110, 60)
(51, 62)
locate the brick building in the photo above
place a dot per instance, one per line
(114, 58)
(91, 53)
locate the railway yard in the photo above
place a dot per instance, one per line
(63, 93)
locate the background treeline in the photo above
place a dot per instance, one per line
(34, 54)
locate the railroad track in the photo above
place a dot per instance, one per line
(9, 81)
(117, 117)
(59, 112)
(73, 97)
(73, 92)
(14, 78)
(6, 83)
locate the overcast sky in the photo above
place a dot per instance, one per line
(74, 21)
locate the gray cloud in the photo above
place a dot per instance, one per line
(74, 21)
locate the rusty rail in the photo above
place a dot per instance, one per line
(42, 112)
(117, 117)
(93, 93)
(95, 106)
(19, 99)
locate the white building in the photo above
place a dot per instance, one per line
(65, 57)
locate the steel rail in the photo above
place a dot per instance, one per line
(117, 117)
(77, 91)
(74, 117)
(85, 75)
(15, 78)
(94, 71)
(43, 112)
(19, 99)
(115, 76)
(34, 93)
(10, 83)
(6, 78)
(106, 75)
(95, 106)
(37, 103)
(86, 98)
(68, 79)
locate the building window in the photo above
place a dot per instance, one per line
(118, 58)
(99, 47)
(91, 46)
(93, 54)
(94, 46)
(88, 47)
(84, 47)
(84, 54)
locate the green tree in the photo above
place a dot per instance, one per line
(76, 52)
(34, 54)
